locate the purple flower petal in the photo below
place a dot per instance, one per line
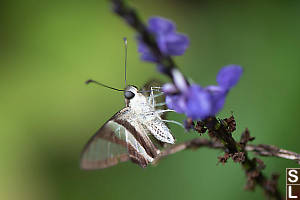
(142, 48)
(146, 54)
(198, 104)
(176, 102)
(229, 76)
(218, 96)
(179, 81)
(162, 44)
(169, 42)
(148, 57)
(169, 88)
(218, 102)
(176, 44)
(160, 25)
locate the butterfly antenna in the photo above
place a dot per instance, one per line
(103, 85)
(125, 43)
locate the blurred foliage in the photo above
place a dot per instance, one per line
(49, 48)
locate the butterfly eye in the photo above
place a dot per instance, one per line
(128, 94)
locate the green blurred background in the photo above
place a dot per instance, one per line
(49, 48)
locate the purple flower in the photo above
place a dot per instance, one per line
(229, 76)
(197, 102)
(168, 40)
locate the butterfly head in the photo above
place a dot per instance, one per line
(130, 92)
(132, 95)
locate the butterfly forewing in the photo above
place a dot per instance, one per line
(106, 148)
(119, 139)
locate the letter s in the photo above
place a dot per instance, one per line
(293, 173)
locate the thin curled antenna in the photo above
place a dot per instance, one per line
(96, 82)
(125, 43)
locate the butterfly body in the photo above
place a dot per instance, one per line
(144, 112)
(126, 135)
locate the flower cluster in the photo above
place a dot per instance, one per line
(168, 40)
(199, 102)
(194, 101)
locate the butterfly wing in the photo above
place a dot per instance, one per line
(121, 138)
(106, 148)
(159, 130)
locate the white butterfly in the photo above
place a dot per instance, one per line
(126, 135)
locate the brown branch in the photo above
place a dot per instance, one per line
(270, 150)
(191, 144)
(260, 149)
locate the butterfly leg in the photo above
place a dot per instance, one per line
(163, 111)
(160, 104)
(156, 95)
(174, 122)
(156, 88)
(152, 96)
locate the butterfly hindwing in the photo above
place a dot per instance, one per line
(159, 130)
